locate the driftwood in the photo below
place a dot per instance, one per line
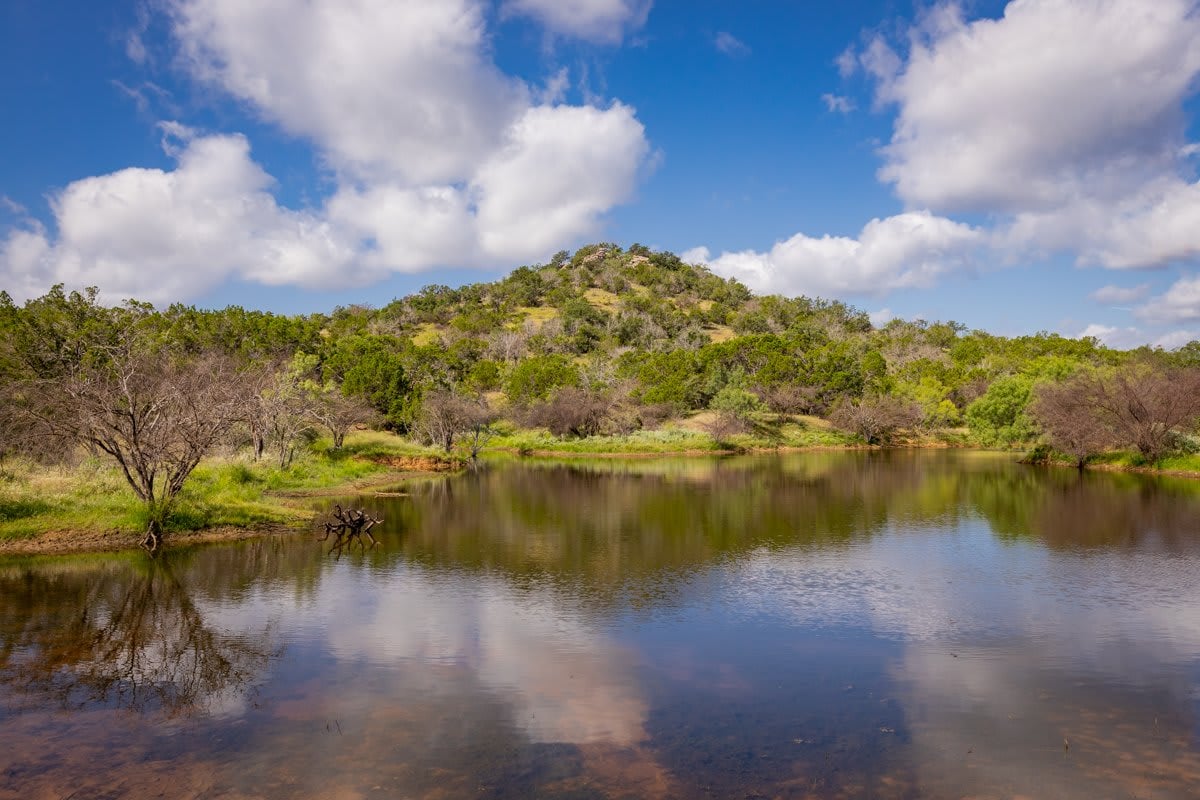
(349, 525)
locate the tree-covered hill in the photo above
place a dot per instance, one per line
(607, 340)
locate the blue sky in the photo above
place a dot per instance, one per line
(1015, 166)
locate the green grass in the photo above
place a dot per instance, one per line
(376, 444)
(660, 441)
(1119, 459)
(1180, 463)
(90, 496)
(538, 315)
(767, 431)
(230, 491)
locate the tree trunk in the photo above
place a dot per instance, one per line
(154, 537)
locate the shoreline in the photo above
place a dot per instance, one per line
(1154, 472)
(67, 542)
(403, 469)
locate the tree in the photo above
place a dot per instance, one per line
(875, 419)
(572, 411)
(479, 432)
(998, 417)
(790, 398)
(280, 411)
(153, 413)
(373, 368)
(735, 401)
(338, 413)
(1145, 406)
(537, 376)
(444, 415)
(1069, 418)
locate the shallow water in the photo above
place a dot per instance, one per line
(930, 624)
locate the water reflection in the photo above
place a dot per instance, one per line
(127, 635)
(825, 625)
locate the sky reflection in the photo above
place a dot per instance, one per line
(838, 626)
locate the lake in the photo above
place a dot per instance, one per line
(939, 624)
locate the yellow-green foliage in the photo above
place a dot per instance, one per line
(720, 333)
(602, 299)
(427, 334)
(538, 315)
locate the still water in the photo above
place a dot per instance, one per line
(930, 624)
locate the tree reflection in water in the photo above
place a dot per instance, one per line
(125, 635)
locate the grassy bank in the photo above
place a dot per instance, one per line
(1182, 465)
(90, 505)
(693, 435)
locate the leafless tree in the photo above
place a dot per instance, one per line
(154, 413)
(653, 415)
(446, 415)
(478, 434)
(791, 399)
(338, 413)
(1145, 406)
(726, 424)
(281, 413)
(1068, 416)
(875, 419)
(507, 346)
(572, 411)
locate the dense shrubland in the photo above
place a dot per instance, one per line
(602, 342)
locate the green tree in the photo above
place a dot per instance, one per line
(372, 367)
(1000, 416)
(736, 401)
(537, 376)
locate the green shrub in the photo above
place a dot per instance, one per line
(1000, 417)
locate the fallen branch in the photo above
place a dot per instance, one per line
(349, 525)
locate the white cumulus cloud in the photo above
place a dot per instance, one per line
(560, 169)
(440, 159)
(399, 88)
(1056, 99)
(906, 250)
(1180, 303)
(1063, 121)
(1066, 116)
(165, 234)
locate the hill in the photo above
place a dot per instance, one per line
(625, 339)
